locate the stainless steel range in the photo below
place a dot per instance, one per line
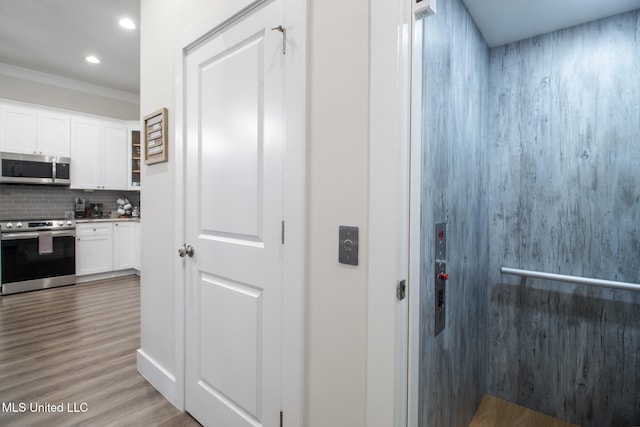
(37, 254)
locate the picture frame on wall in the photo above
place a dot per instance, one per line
(156, 133)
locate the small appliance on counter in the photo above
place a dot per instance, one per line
(96, 210)
(80, 211)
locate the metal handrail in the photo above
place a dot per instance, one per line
(571, 279)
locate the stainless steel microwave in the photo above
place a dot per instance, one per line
(34, 169)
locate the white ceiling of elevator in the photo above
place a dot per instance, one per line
(55, 36)
(506, 21)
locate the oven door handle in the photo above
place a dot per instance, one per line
(35, 235)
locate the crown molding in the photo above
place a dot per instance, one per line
(65, 83)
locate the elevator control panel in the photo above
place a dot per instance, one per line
(348, 245)
(440, 276)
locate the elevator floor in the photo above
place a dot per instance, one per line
(495, 412)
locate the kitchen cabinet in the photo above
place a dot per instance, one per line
(54, 134)
(107, 246)
(135, 159)
(99, 153)
(124, 245)
(85, 150)
(136, 246)
(114, 156)
(29, 130)
(94, 248)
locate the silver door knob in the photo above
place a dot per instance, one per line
(185, 250)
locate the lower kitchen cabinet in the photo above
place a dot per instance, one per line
(104, 247)
(136, 246)
(124, 245)
(94, 248)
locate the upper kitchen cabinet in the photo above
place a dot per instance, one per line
(99, 154)
(135, 159)
(28, 130)
(115, 149)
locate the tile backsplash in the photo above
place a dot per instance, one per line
(43, 202)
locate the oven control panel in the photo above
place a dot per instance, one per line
(34, 225)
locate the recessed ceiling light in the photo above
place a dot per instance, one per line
(93, 59)
(127, 23)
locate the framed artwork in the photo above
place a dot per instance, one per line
(156, 137)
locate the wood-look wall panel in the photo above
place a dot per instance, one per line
(455, 186)
(77, 345)
(565, 198)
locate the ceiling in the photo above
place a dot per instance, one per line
(506, 21)
(55, 36)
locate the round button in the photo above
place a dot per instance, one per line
(9, 225)
(348, 245)
(19, 225)
(69, 223)
(60, 223)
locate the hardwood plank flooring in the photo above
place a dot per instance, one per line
(74, 348)
(495, 412)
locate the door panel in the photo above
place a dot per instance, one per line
(234, 149)
(232, 96)
(233, 361)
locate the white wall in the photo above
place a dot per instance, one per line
(338, 195)
(19, 89)
(162, 23)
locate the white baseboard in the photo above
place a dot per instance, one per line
(158, 377)
(107, 275)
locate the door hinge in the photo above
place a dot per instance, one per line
(281, 418)
(401, 290)
(284, 37)
(282, 232)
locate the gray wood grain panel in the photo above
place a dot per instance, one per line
(455, 186)
(565, 198)
(76, 345)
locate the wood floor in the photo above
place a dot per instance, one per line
(495, 412)
(74, 348)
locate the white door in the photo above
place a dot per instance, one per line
(234, 160)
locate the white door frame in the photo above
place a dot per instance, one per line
(294, 195)
(389, 192)
(415, 230)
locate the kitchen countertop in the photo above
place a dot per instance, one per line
(90, 220)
